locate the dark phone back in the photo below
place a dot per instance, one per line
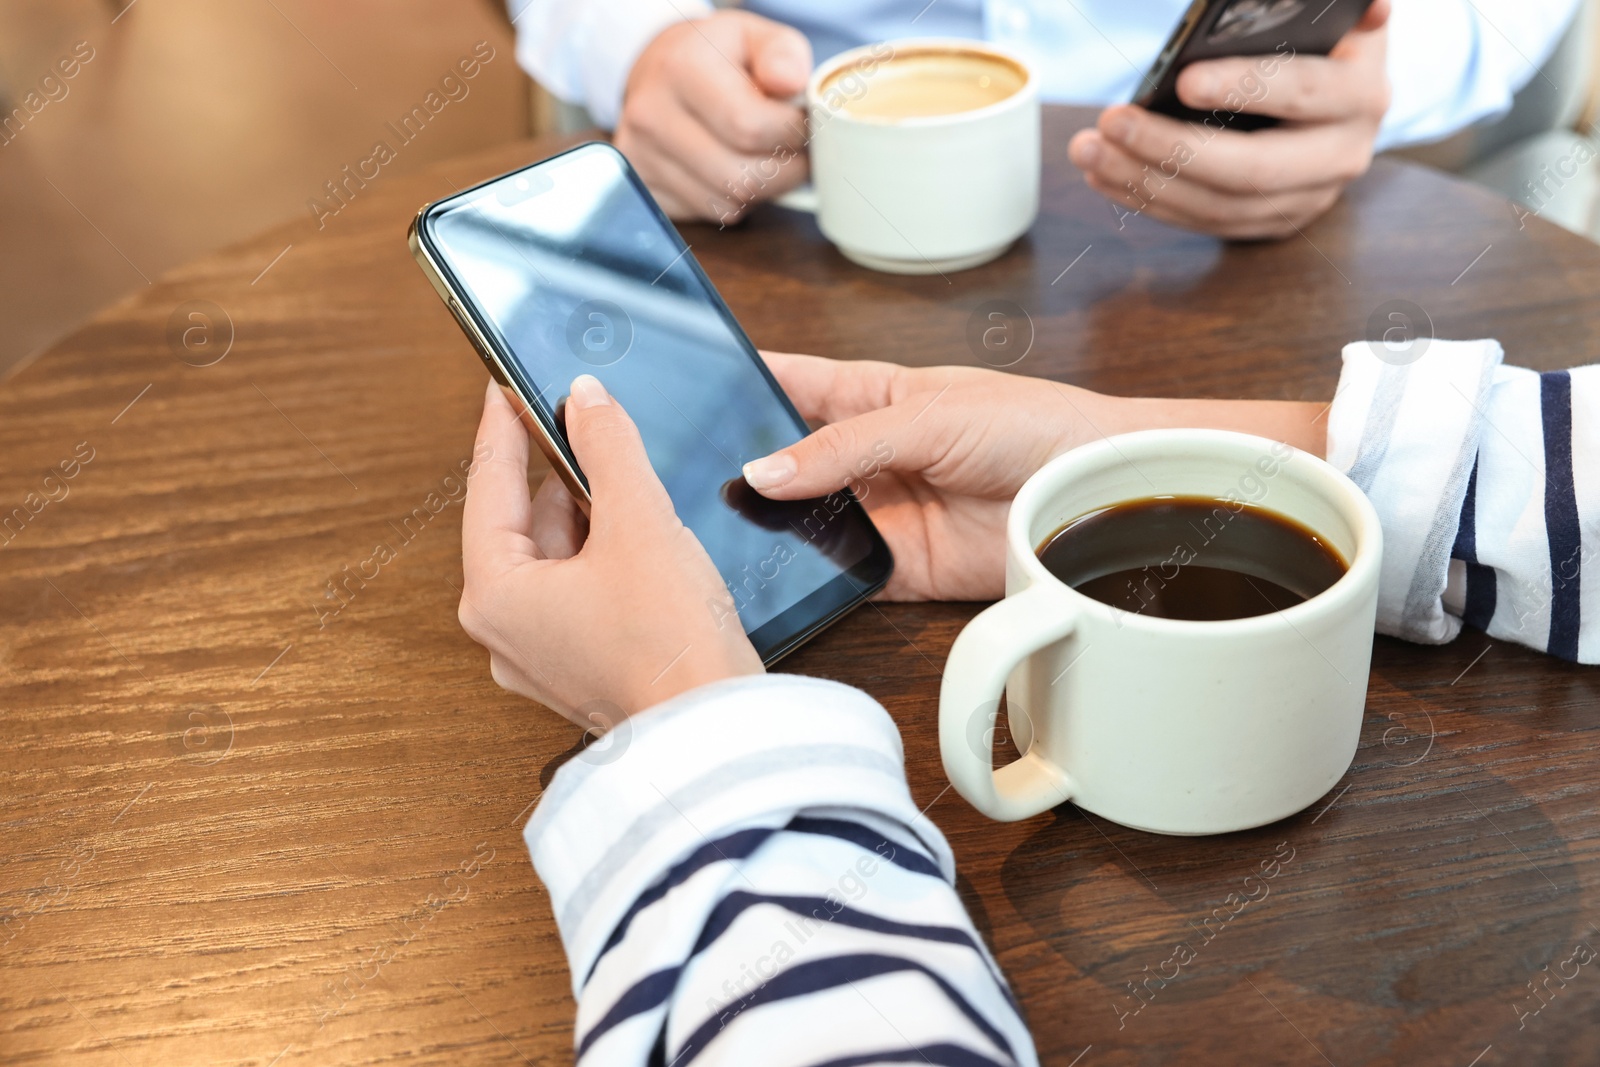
(1213, 29)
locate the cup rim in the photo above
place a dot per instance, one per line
(825, 70)
(1363, 567)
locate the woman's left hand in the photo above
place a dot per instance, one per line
(599, 617)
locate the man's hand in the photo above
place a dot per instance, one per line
(708, 118)
(1265, 183)
(622, 610)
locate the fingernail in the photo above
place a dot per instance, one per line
(1204, 86)
(770, 471)
(1120, 129)
(1086, 153)
(587, 392)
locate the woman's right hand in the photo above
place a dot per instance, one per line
(935, 454)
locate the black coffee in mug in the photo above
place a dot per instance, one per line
(1191, 557)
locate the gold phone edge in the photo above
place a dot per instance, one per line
(486, 352)
(1170, 51)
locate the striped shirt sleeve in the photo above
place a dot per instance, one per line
(1487, 481)
(740, 876)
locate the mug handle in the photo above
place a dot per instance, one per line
(983, 657)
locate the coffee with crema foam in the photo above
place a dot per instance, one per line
(922, 84)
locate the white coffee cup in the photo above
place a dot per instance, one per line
(1166, 725)
(923, 193)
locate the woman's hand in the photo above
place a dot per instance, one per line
(624, 608)
(935, 454)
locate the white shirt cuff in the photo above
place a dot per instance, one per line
(584, 51)
(731, 755)
(1405, 426)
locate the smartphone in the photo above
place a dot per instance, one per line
(1214, 29)
(569, 267)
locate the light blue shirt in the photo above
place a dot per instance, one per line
(1083, 52)
(1450, 62)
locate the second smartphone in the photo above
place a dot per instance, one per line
(1216, 29)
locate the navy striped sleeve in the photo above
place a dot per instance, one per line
(1561, 514)
(751, 882)
(1529, 528)
(1480, 594)
(831, 972)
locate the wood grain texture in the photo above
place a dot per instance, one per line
(238, 829)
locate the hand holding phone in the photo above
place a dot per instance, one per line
(1212, 176)
(601, 616)
(1223, 29)
(569, 267)
(946, 449)
(949, 447)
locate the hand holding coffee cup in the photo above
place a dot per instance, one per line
(712, 117)
(924, 153)
(1185, 640)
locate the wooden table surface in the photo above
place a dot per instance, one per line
(237, 814)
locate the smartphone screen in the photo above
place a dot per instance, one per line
(570, 268)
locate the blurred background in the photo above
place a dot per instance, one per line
(185, 125)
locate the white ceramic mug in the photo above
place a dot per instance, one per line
(1166, 725)
(924, 194)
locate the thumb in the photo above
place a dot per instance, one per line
(623, 487)
(889, 438)
(779, 57)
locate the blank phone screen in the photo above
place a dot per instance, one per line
(577, 272)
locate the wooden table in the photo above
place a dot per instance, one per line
(231, 812)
